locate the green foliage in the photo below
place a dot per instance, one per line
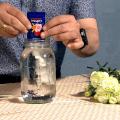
(111, 71)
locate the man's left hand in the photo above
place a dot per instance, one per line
(64, 28)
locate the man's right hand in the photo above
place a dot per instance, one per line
(12, 21)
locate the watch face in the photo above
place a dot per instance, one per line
(84, 37)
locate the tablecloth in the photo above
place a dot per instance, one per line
(69, 103)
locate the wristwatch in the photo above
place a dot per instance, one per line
(84, 37)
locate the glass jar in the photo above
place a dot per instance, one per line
(38, 72)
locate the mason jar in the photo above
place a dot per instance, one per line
(38, 72)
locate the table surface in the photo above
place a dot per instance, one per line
(69, 104)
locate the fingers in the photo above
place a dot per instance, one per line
(60, 24)
(12, 21)
(71, 40)
(62, 28)
(58, 20)
(11, 30)
(5, 34)
(8, 29)
(19, 15)
(77, 44)
(68, 36)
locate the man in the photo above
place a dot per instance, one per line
(65, 18)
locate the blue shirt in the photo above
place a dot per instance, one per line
(11, 48)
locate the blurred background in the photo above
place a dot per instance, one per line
(108, 17)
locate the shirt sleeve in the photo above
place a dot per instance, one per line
(83, 8)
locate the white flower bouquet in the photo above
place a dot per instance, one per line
(104, 85)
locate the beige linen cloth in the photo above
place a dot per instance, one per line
(69, 104)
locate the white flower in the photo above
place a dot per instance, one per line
(110, 84)
(105, 88)
(97, 77)
(118, 99)
(103, 99)
(112, 100)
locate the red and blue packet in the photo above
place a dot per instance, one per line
(37, 20)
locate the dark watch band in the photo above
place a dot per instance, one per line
(84, 38)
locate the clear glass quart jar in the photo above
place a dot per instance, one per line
(38, 72)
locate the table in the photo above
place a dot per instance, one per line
(69, 103)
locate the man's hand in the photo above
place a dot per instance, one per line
(12, 21)
(64, 28)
